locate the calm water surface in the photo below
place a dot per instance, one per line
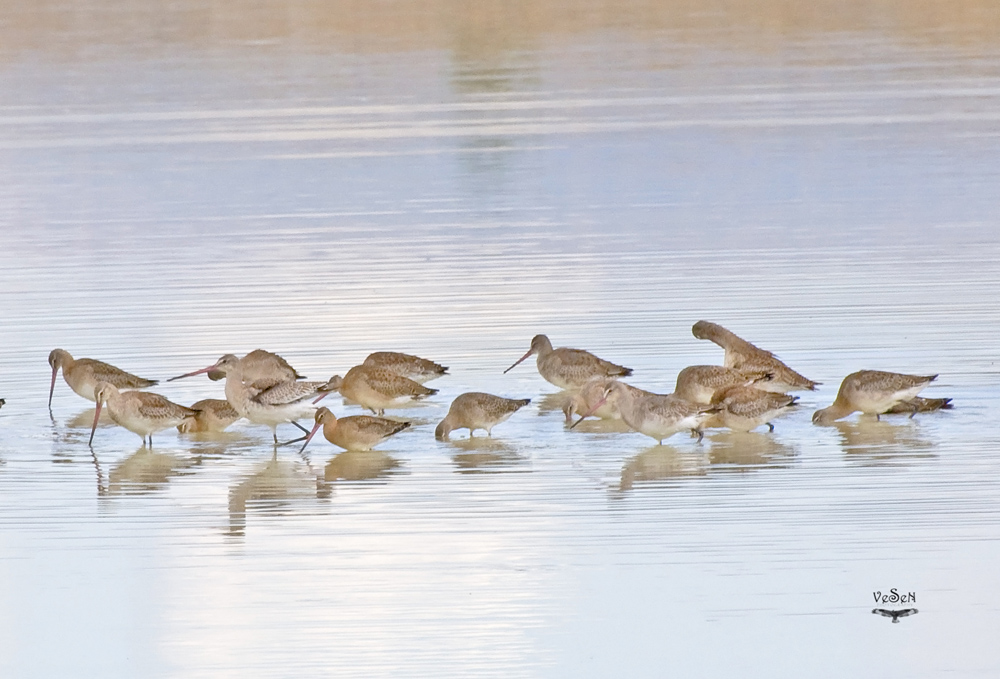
(327, 183)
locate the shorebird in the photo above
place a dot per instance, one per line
(742, 355)
(279, 403)
(745, 408)
(873, 392)
(569, 368)
(213, 415)
(418, 369)
(590, 394)
(141, 412)
(655, 415)
(377, 388)
(919, 404)
(357, 432)
(700, 383)
(475, 410)
(83, 375)
(261, 366)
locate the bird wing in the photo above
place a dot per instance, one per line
(286, 393)
(159, 407)
(378, 426)
(390, 384)
(104, 372)
(265, 363)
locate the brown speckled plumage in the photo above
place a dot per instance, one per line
(83, 375)
(141, 412)
(377, 388)
(873, 392)
(745, 408)
(569, 368)
(476, 410)
(212, 415)
(413, 367)
(744, 356)
(357, 432)
(260, 365)
(700, 383)
(658, 416)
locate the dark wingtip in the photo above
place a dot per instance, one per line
(525, 401)
(626, 372)
(431, 392)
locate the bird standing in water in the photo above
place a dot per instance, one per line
(569, 368)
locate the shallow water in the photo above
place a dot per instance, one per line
(339, 182)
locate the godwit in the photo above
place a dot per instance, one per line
(357, 432)
(213, 415)
(655, 415)
(590, 394)
(918, 404)
(476, 410)
(260, 369)
(141, 412)
(745, 408)
(569, 368)
(280, 403)
(83, 374)
(413, 367)
(742, 355)
(700, 383)
(872, 392)
(260, 365)
(377, 388)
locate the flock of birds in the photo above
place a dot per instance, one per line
(748, 391)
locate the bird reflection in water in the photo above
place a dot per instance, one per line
(359, 465)
(660, 463)
(744, 451)
(552, 402)
(85, 420)
(275, 487)
(147, 471)
(484, 455)
(873, 442)
(561, 400)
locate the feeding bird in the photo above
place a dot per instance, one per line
(476, 410)
(357, 432)
(873, 392)
(141, 412)
(84, 374)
